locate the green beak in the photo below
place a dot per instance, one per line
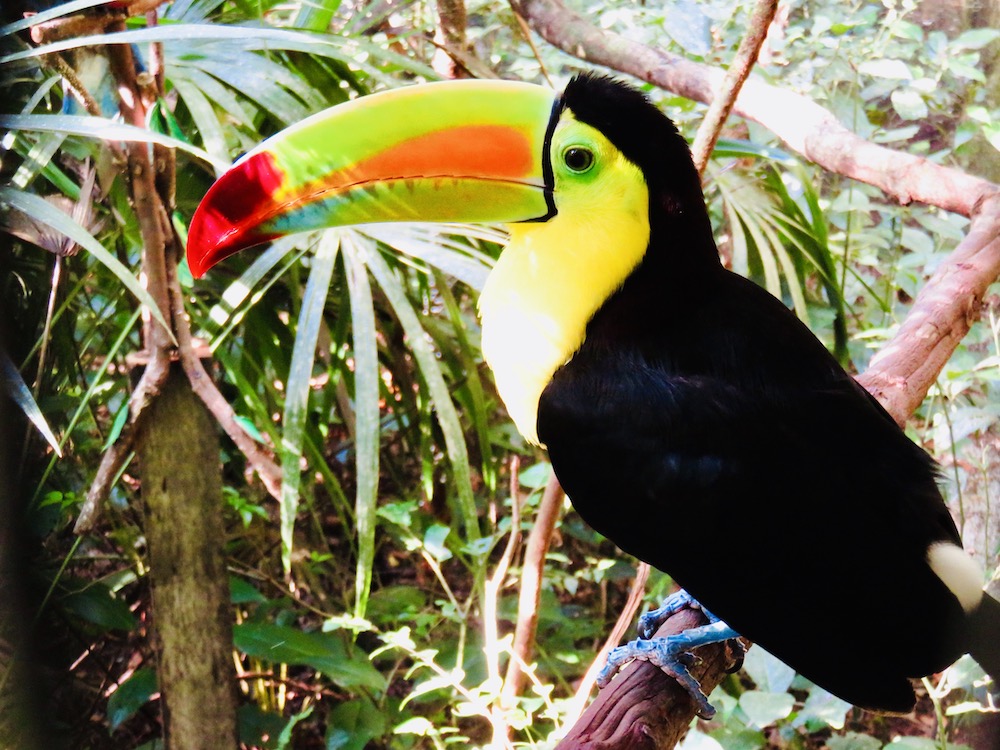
(466, 151)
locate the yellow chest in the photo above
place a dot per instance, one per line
(547, 285)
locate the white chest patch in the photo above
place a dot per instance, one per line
(959, 572)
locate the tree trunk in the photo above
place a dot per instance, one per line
(182, 490)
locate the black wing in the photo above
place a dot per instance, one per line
(735, 424)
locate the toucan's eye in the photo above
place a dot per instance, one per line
(578, 159)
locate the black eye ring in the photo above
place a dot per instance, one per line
(578, 159)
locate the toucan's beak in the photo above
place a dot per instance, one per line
(469, 151)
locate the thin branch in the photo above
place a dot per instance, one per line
(159, 341)
(89, 22)
(736, 75)
(523, 25)
(531, 588)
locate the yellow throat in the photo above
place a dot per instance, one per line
(553, 276)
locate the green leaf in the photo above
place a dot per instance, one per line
(854, 741)
(976, 38)
(366, 413)
(451, 426)
(249, 428)
(325, 652)
(908, 104)
(434, 542)
(763, 709)
(353, 724)
(121, 418)
(44, 212)
(98, 605)
(768, 673)
(130, 696)
(315, 15)
(297, 386)
(435, 245)
(885, 68)
(63, 9)
(537, 476)
(103, 129)
(18, 390)
(823, 708)
(243, 592)
(349, 50)
(992, 134)
(286, 733)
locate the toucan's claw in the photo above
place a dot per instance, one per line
(650, 622)
(673, 655)
(738, 652)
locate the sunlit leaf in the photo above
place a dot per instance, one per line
(444, 407)
(326, 652)
(100, 128)
(366, 413)
(297, 387)
(18, 390)
(130, 696)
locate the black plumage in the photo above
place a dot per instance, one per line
(703, 428)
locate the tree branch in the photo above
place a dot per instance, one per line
(736, 76)
(531, 588)
(813, 132)
(902, 372)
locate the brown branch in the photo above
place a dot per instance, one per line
(904, 369)
(159, 341)
(258, 457)
(501, 728)
(531, 588)
(450, 35)
(621, 626)
(644, 709)
(160, 254)
(736, 76)
(89, 22)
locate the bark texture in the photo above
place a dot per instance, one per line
(644, 709)
(182, 491)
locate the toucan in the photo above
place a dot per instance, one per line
(690, 416)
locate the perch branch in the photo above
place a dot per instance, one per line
(621, 626)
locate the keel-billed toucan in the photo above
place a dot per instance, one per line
(680, 403)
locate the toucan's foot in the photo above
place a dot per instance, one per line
(650, 622)
(673, 655)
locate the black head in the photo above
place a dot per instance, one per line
(651, 141)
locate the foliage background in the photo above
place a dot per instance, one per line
(354, 357)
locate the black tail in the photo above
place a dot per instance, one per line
(984, 645)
